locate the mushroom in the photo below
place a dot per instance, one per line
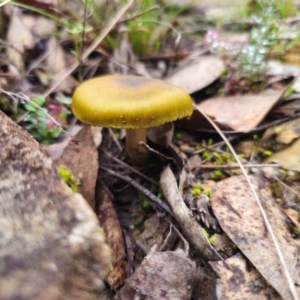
(131, 102)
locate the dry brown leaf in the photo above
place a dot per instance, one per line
(242, 112)
(288, 158)
(82, 159)
(56, 64)
(238, 280)
(56, 150)
(110, 223)
(198, 74)
(166, 275)
(239, 216)
(279, 137)
(20, 37)
(278, 71)
(192, 230)
(157, 232)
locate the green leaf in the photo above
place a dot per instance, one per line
(30, 107)
(38, 100)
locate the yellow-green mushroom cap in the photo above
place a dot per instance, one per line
(121, 101)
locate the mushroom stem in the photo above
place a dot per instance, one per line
(137, 153)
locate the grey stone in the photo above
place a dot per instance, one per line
(51, 246)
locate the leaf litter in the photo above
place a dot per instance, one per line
(235, 208)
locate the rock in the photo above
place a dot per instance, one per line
(51, 246)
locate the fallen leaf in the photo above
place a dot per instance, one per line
(239, 216)
(157, 232)
(278, 71)
(241, 113)
(237, 280)
(288, 158)
(82, 160)
(20, 37)
(161, 276)
(110, 223)
(55, 151)
(198, 74)
(279, 137)
(56, 64)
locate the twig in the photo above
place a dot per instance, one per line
(256, 197)
(61, 76)
(115, 140)
(147, 193)
(130, 168)
(231, 166)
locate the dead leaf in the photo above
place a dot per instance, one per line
(161, 276)
(56, 64)
(278, 71)
(278, 137)
(20, 38)
(239, 216)
(55, 151)
(237, 280)
(82, 159)
(242, 112)
(198, 74)
(157, 232)
(288, 158)
(192, 230)
(110, 223)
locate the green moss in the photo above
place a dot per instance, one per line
(144, 203)
(67, 176)
(267, 153)
(217, 175)
(196, 190)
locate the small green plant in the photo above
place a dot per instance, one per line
(207, 193)
(67, 176)
(43, 121)
(205, 154)
(41, 125)
(196, 190)
(211, 238)
(144, 203)
(217, 175)
(267, 153)
(246, 66)
(264, 34)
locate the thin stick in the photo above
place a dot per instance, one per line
(130, 168)
(61, 76)
(139, 187)
(231, 166)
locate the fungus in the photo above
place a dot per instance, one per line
(130, 102)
